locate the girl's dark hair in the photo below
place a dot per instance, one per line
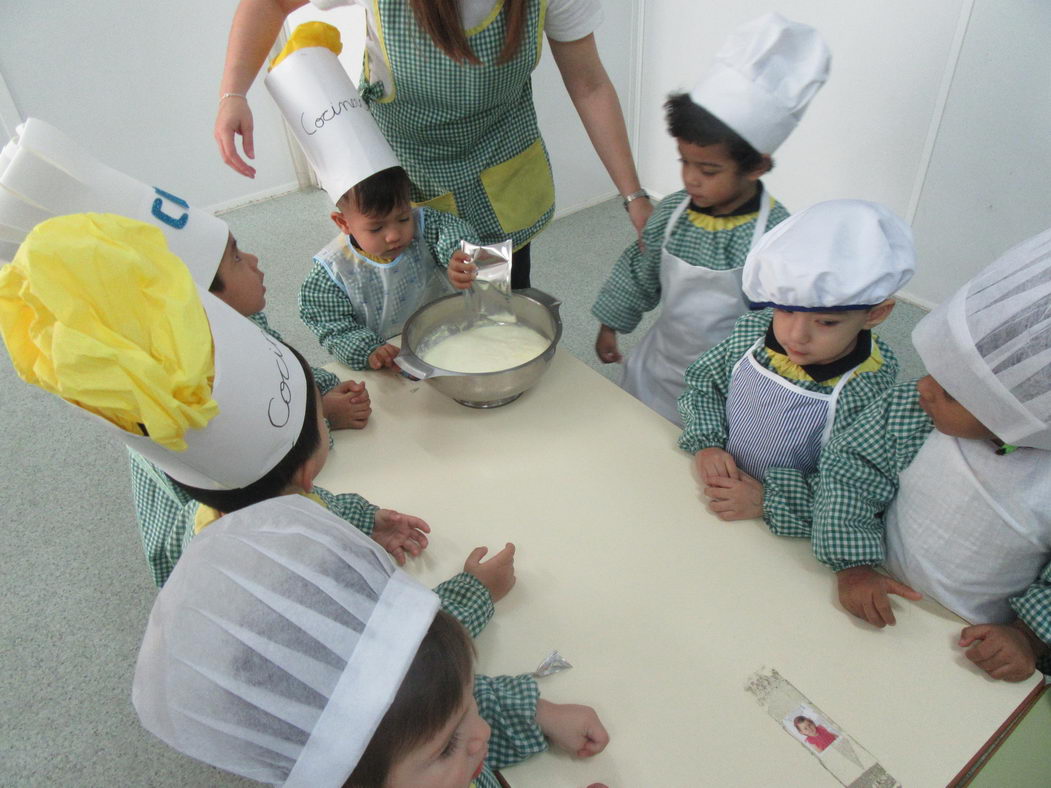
(430, 694)
(380, 193)
(276, 481)
(693, 123)
(441, 20)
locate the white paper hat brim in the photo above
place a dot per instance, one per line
(261, 390)
(44, 173)
(329, 119)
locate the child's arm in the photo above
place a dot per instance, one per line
(443, 232)
(330, 315)
(469, 596)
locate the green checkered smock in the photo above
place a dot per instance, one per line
(634, 286)
(508, 704)
(329, 313)
(787, 493)
(467, 134)
(859, 479)
(159, 504)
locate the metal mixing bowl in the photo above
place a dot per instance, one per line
(533, 308)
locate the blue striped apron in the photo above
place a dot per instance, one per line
(771, 422)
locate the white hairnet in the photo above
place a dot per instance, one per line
(278, 644)
(989, 345)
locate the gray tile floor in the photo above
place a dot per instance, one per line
(75, 589)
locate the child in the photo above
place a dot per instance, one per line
(224, 409)
(56, 176)
(947, 481)
(362, 685)
(697, 239)
(384, 264)
(759, 406)
(817, 736)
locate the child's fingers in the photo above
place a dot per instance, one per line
(894, 587)
(506, 555)
(476, 556)
(973, 633)
(882, 614)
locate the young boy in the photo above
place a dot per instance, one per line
(365, 684)
(759, 406)
(696, 241)
(386, 261)
(226, 411)
(947, 481)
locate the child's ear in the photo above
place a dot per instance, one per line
(762, 168)
(340, 222)
(303, 478)
(879, 313)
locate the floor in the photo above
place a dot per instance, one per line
(75, 588)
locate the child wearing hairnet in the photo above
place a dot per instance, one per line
(946, 482)
(230, 415)
(760, 405)
(327, 666)
(696, 240)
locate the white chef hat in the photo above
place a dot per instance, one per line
(763, 79)
(278, 644)
(325, 111)
(45, 173)
(96, 309)
(989, 345)
(835, 255)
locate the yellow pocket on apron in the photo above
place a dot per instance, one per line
(446, 203)
(520, 189)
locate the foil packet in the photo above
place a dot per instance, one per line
(489, 298)
(553, 663)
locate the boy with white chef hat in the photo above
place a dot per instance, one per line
(387, 260)
(45, 173)
(946, 481)
(224, 409)
(760, 405)
(696, 241)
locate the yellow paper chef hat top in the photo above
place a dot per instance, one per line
(763, 79)
(96, 309)
(989, 344)
(325, 111)
(143, 363)
(45, 173)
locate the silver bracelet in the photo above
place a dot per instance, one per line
(635, 196)
(227, 95)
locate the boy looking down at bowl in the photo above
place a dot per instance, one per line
(46, 173)
(387, 260)
(230, 414)
(696, 241)
(946, 481)
(760, 405)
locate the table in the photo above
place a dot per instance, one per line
(664, 610)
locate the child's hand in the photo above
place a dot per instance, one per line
(715, 463)
(863, 592)
(606, 346)
(574, 728)
(497, 574)
(461, 271)
(1001, 650)
(735, 499)
(383, 356)
(347, 406)
(399, 534)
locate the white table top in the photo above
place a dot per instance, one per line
(664, 610)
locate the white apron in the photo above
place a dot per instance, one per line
(384, 295)
(970, 528)
(698, 311)
(773, 423)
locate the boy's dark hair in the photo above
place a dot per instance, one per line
(693, 123)
(380, 193)
(217, 285)
(278, 478)
(430, 694)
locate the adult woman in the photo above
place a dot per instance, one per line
(448, 82)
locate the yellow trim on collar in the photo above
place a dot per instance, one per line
(715, 223)
(206, 515)
(497, 8)
(789, 370)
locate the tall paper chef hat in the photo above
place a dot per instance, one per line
(325, 111)
(763, 79)
(835, 255)
(989, 345)
(44, 173)
(310, 630)
(182, 378)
